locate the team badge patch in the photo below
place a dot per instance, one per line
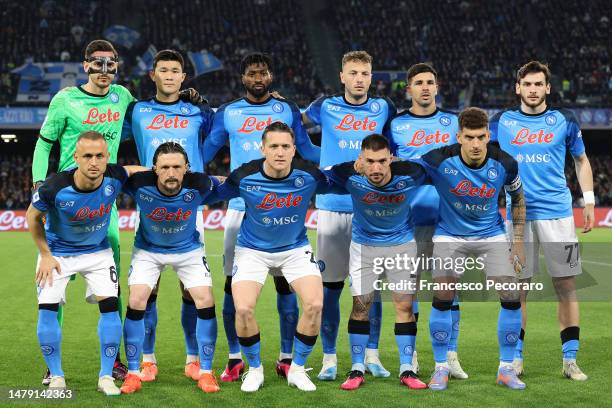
(130, 350)
(110, 350)
(512, 338)
(550, 119)
(408, 350)
(185, 110)
(445, 120)
(400, 185)
(440, 335)
(492, 174)
(109, 190)
(375, 107)
(208, 349)
(278, 107)
(114, 97)
(46, 349)
(188, 197)
(357, 349)
(299, 181)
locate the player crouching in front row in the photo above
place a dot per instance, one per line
(78, 205)
(276, 191)
(168, 198)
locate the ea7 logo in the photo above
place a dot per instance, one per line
(333, 108)
(146, 109)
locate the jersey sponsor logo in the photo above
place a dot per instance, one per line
(349, 144)
(453, 172)
(278, 107)
(385, 212)
(145, 197)
(492, 174)
(333, 108)
(510, 122)
(399, 128)
(524, 137)
(465, 188)
(290, 219)
(476, 207)
(373, 197)
(271, 200)
(445, 120)
(85, 213)
(147, 109)
(251, 124)
(550, 119)
(160, 122)
(94, 116)
(162, 214)
(375, 107)
(63, 204)
(248, 146)
(349, 123)
(114, 97)
(533, 158)
(420, 138)
(155, 142)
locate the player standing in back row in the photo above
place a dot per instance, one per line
(538, 137)
(242, 122)
(345, 120)
(413, 133)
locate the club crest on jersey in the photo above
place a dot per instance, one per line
(188, 197)
(375, 107)
(299, 182)
(109, 190)
(492, 174)
(445, 120)
(185, 110)
(114, 97)
(278, 107)
(550, 119)
(400, 185)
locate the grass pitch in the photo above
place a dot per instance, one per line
(22, 364)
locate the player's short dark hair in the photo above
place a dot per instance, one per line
(277, 126)
(473, 118)
(99, 45)
(375, 142)
(91, 135)
(169, 55)
(419, 69)
(255, 58)
(356, 56)
(167, 148)
(533, 67)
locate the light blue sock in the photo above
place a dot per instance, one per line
(375, 317)
(50, 339)
(405, 337)
(134, 334)
(251, 347)
(206, 333)
(189, 317)
(229, 323)
(570, 342)
(150, 323)
(518, 351)
(303, 346)
(508, 330)
(440, 326)
(455, 316)
(109, 332)
(288, 314)
(359, 332)
(330, 319)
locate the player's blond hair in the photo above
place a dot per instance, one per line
(356, 56)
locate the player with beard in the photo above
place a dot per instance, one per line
(241, 123)
(539, 137)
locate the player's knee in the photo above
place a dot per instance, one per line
(282, 286)
(139, 299)
(313, 308)
(244, 312)
(404, 310)
(109, 305)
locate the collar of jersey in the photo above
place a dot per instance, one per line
(534, 114)
(355, 104)
(166, 195)
(78, 190)
(80, 88)
(263, 173)
(257, 103)
(414, 115)
(165, 103)
(481, 164)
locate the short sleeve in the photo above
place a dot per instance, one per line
(313, 112)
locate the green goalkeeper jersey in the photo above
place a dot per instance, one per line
(73, 111)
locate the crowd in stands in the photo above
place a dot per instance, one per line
(16, 179)
(476, 45)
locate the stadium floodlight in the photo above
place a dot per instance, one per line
(9, 138)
